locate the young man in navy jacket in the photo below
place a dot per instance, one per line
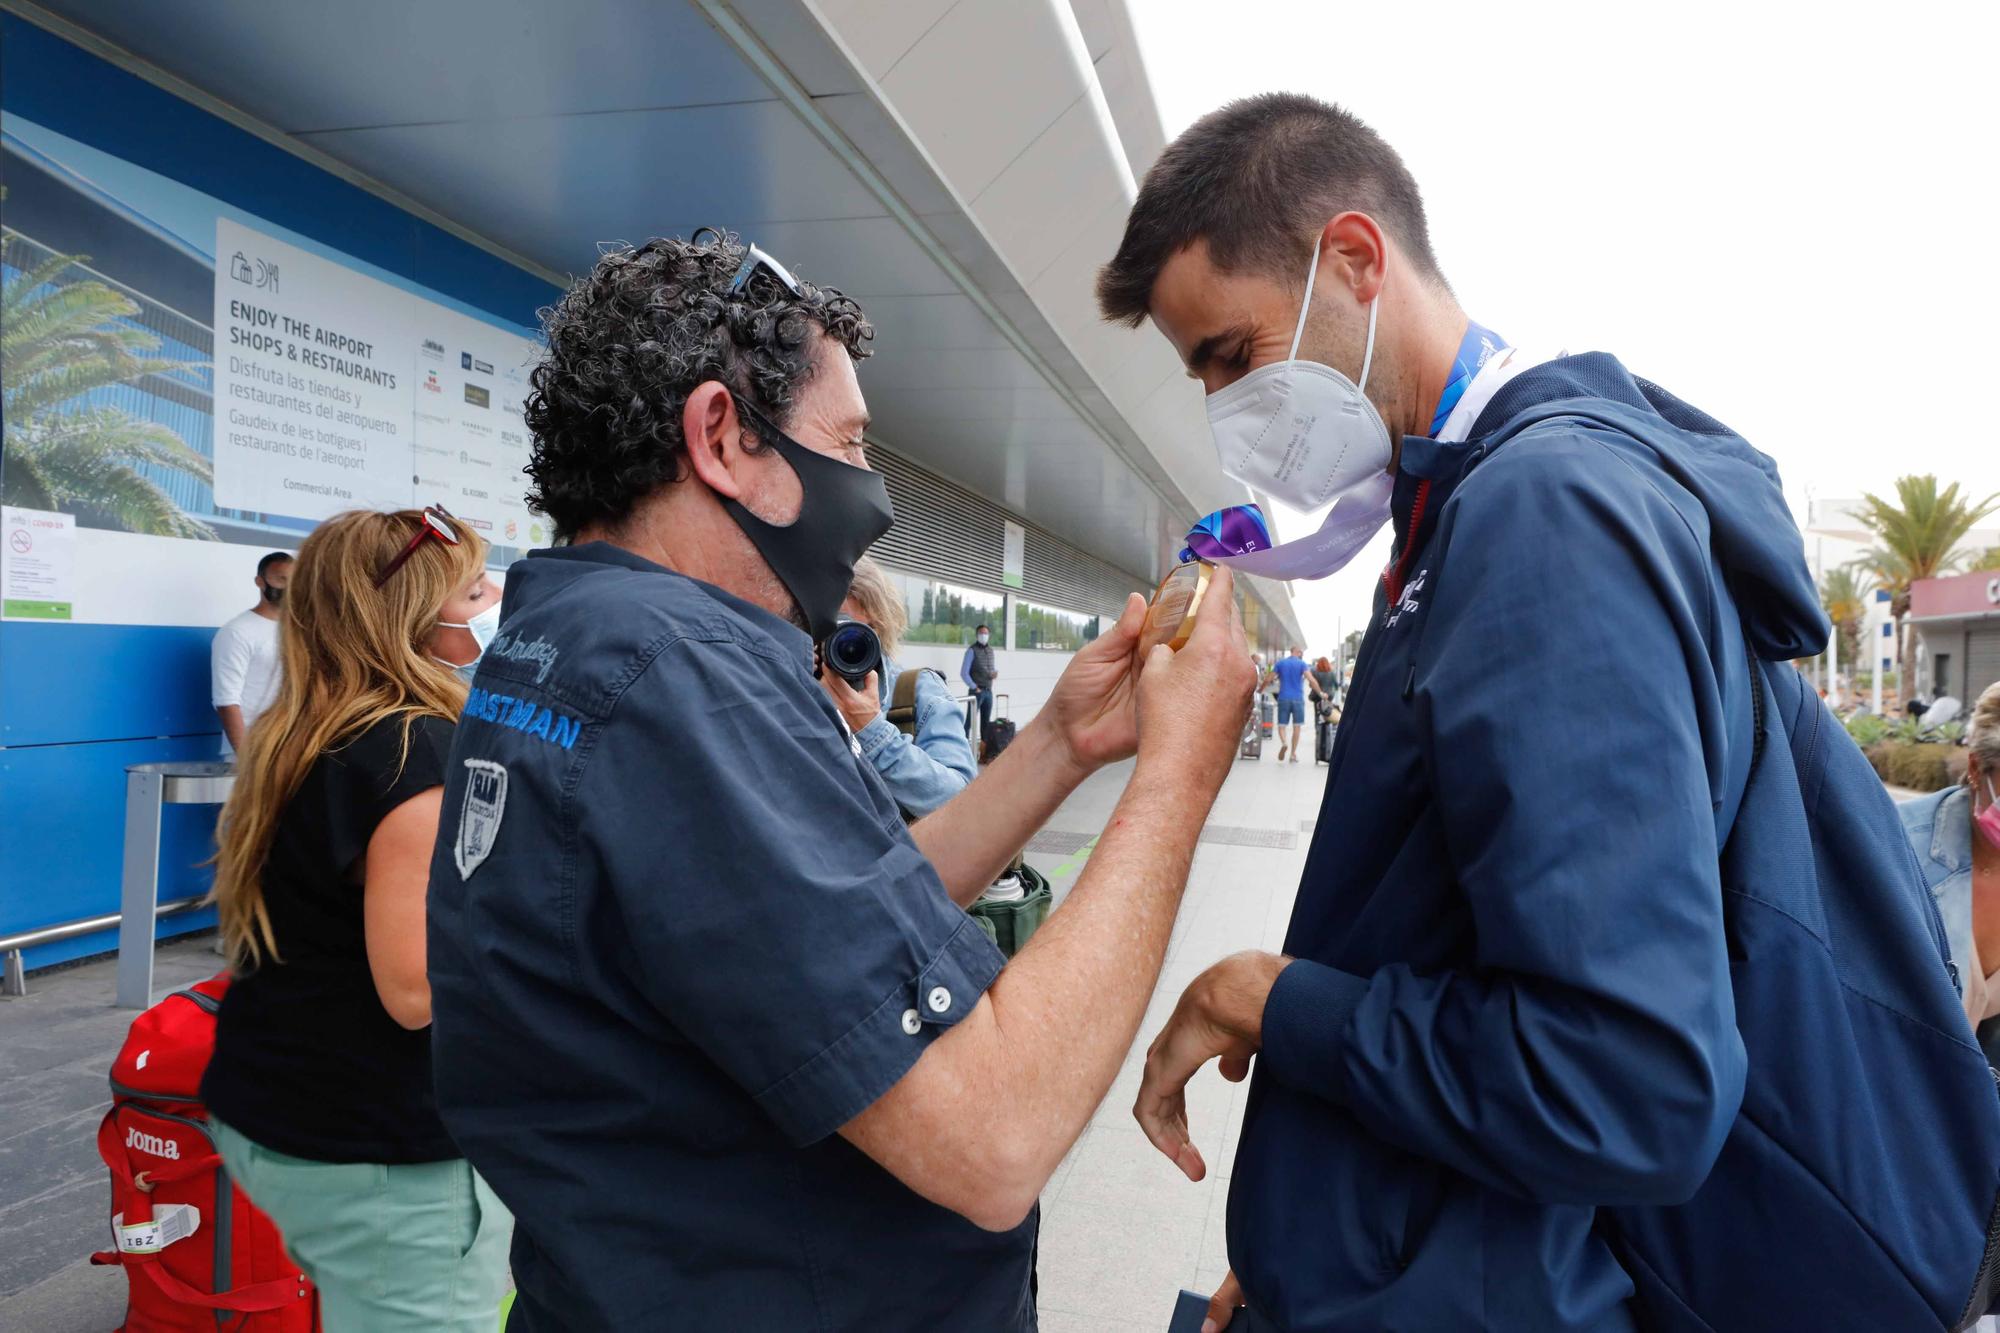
(1504, 999)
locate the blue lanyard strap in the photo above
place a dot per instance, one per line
(1477, 348)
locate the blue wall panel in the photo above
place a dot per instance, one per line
(65, 683)
(62, 840)
(73, 698)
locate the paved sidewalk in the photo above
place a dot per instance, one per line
(1122, 1229)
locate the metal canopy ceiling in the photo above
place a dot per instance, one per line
(547, 129)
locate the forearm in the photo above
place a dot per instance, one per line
(231, 716)
(971, 839)
(983, 1120)
(1065, 1011)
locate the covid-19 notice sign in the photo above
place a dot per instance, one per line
(313, 363)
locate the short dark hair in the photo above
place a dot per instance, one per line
(1256, 179)
(274, 558)
(981, 626)
(631, 340)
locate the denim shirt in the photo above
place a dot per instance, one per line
(1939, 827)
(923, 772)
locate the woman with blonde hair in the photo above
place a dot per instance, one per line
(1956, 836)
(932, 762)
(320, 1087)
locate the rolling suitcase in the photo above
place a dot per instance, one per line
(1323, 743)
(1252, 745)
(999, 734)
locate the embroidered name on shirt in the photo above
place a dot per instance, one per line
(537, 650)
(523, 715)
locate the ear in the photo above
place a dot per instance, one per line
(1352, 251)
(714, 438)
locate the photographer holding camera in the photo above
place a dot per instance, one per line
(930, 762)
(708, 1015)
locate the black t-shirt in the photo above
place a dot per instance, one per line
(307, 1061)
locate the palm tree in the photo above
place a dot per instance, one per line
(1916, 538)
(1986, 559)
(57, 345)
(1844, 593)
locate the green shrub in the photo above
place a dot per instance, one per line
(1867, 729)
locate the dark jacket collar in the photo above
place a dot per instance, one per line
(609, 553)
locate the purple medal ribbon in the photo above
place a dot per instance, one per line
(1240, 538)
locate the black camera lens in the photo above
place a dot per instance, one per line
(851, 651)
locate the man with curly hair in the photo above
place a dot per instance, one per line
(709, 1018)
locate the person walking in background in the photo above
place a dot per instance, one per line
(1326, 678)
(932, 762)
(1294, 678)
(243, 659)
(976, 669)
(1956, 836)
(320, 1086)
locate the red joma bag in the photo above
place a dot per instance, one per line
(198, 1255)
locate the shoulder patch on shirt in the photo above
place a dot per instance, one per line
(479, 820)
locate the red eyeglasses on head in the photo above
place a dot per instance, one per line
(436, 521)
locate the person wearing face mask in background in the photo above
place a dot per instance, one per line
(473, 616)
(320, 1085)
(976, 669)
(710, 1015)
(243, 659)
(1956, 836)
(1505, 1000)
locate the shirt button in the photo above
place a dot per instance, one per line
(939, 999)
(911, 1023)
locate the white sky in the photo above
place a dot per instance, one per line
(1784, 214)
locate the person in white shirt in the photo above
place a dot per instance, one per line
(243, 660)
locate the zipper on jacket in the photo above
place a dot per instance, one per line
(1393, 576)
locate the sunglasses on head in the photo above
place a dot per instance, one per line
(754, 260)
(436, 521)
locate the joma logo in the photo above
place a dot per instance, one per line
(153, 1144)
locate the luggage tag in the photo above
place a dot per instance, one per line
(171, 1222)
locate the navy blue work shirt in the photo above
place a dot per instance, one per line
(679, 936)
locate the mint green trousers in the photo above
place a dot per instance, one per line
(417, 1248)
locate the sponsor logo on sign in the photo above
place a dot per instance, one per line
(433, 349)
(153, 1144)
(513, 529)
(465, 360)
(479, 820)
(477, 395)
(431, 382)
(483, 367)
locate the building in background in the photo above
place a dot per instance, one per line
(1957, 621)
(265, 262)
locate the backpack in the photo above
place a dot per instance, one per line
(197, 1254)
(1858, 1190)
(902, 710)
(1859, 1187)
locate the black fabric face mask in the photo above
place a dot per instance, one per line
(275, 596)
(842, 510)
